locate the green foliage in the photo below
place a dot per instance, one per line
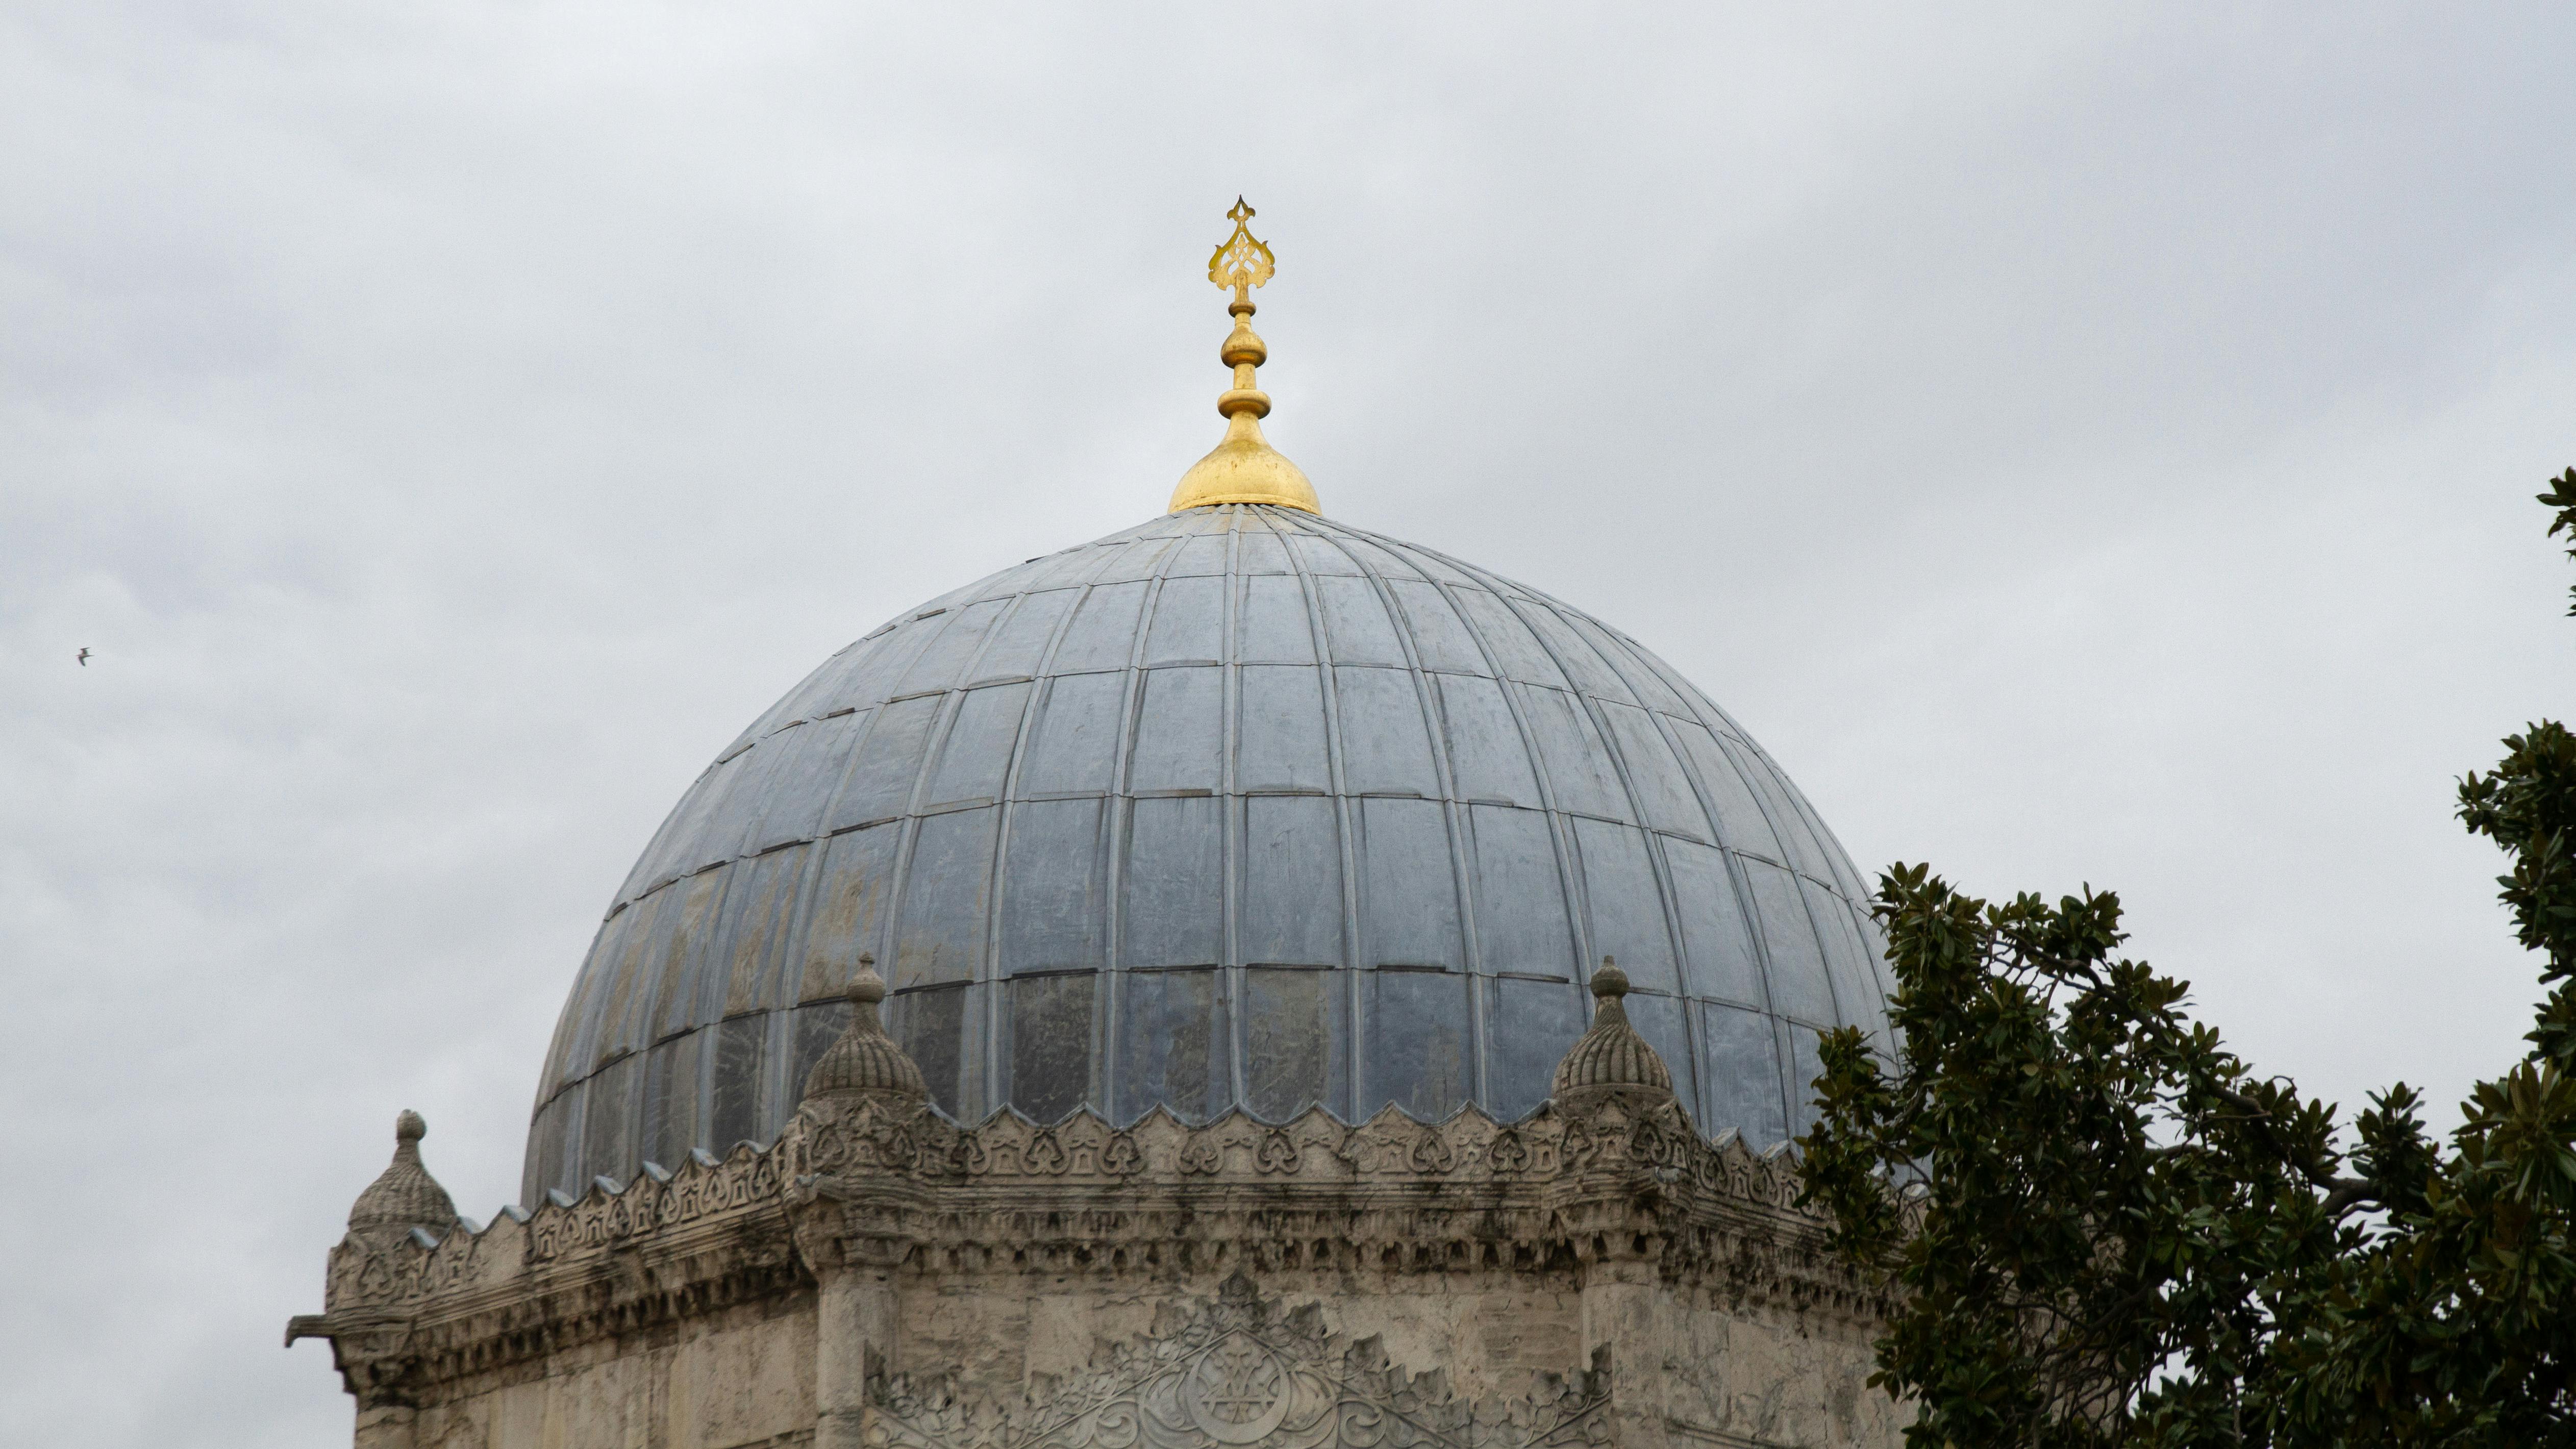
(2103, 1228)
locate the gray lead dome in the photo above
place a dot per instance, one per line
(1239, 807)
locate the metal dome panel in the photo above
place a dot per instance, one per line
(1241, 806)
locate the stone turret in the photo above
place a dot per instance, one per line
(863, 1064)
(404, 1196)
(1610, 1062)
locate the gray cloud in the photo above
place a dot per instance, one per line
(2083, 446)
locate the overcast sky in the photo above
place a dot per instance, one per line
(2082, 443)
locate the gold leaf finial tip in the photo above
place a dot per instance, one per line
(1242, 261)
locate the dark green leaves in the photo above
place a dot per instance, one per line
(2106, 1230)
(2112, 1200)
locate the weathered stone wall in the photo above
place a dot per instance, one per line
(1763, 1375)
(738, 1379)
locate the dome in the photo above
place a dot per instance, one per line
(1241, 807)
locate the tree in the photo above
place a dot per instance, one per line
(2101, 1227)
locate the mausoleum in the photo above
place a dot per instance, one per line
(1158, 997)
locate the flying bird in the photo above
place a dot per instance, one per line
(82, 658)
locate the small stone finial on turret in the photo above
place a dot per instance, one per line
(863, 1062)
(1611, 1062)
(1243, 468)
(404, 1196)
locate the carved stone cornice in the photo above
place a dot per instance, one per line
(899, 1188)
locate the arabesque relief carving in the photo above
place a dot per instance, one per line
(412, 1268)
(1238, 1371)
(703, 1187)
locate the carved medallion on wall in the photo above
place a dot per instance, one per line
(1238, 1372)
(1239, 1392)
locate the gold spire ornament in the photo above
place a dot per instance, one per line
(1244, 468)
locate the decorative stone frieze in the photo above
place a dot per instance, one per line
(751, 1180)
(1082, 1195)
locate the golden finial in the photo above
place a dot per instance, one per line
(1243, 468)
